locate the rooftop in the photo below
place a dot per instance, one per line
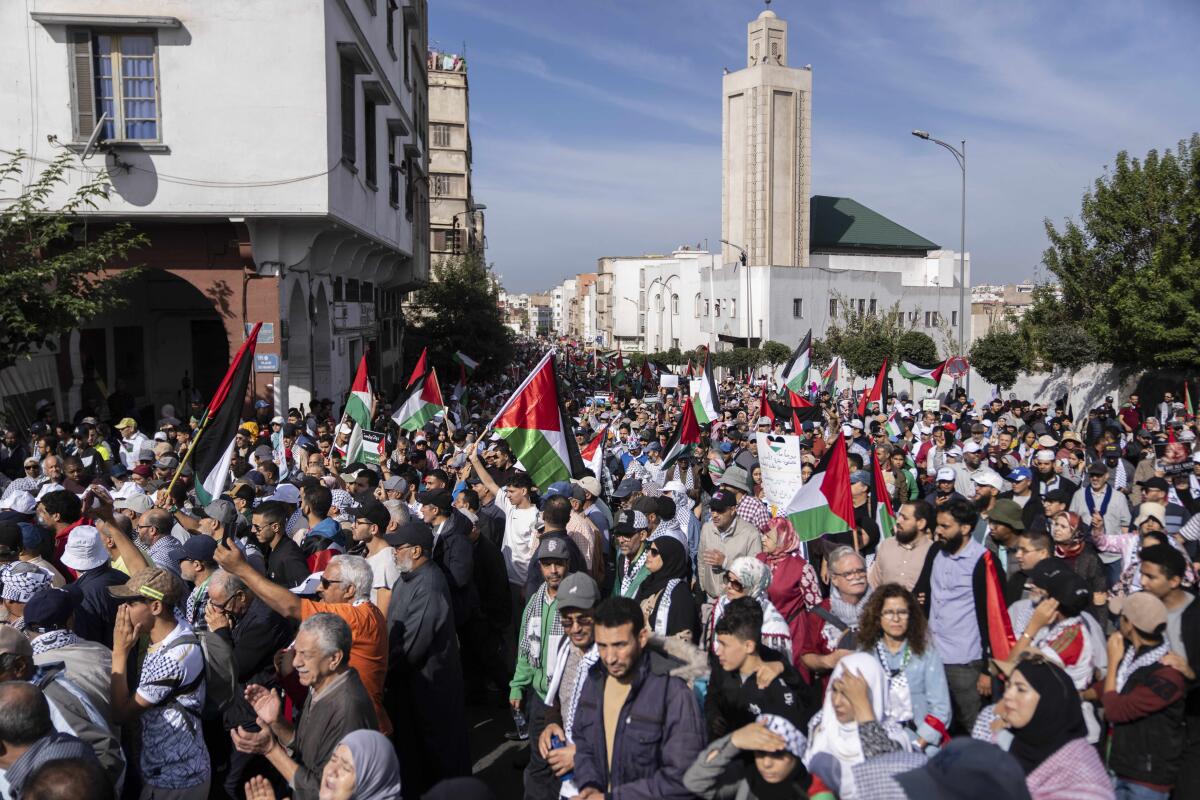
(842, 223)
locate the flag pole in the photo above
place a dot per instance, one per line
(187, 456)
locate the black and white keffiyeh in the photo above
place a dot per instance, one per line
(1131, 662)
(531, 627)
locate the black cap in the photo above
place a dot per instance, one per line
(412, 532)
(374, 512)
(1098, 468)
(198, 548)
(289, 430)
(722, 500)
(1057, 579)
(1155, 483)
(646, 505)
(48, 609)
(1058, 496)
(436, 497)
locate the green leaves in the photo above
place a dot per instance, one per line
(59, 271)
(997, 357)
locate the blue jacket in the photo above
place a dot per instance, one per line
(659, 735)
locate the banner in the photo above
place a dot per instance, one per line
(374, 447)
(779, 458)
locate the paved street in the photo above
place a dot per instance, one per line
(494, 756)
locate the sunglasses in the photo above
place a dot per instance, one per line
(577, 621)
(736, 585)
(326, 583)
(654, 551)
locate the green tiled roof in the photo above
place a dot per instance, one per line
(839, 222)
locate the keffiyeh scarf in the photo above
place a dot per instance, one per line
(53, 640)
(631, 572)
(1131, 662)
(586, 662)
(899, 706)
(531, 625)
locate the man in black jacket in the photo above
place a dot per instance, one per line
(735, 696)
(482, 642)
(451, 549)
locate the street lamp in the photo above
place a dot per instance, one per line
(637, 316)
(960, 155)
(744, 260)
(663, 304)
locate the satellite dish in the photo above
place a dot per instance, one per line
(94, 140)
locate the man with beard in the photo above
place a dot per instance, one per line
(1046, 478)
(987, 490)
(425, 685)
(972, 465)
(955, 585)
(901, 558)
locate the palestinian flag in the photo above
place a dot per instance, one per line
(424, 403)
(795, 371)
(460, 388)
(684, 438)
(829, 377)
(797, 401)
(420, 369)
(358, 411)
(212, 452)
(1001, 639)
(893, 426)
(537, 429)
(876, 390)
(764, 407)
(468, 363)
(1187, 402)
(931, 377)
(822, 504)
(885, 516)
(592, 453)
(704, 397)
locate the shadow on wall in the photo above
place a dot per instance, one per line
(1085, 388)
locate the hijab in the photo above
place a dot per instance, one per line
(752, 574)
(376, 770)
(674, 566)
(840, 739)
(787, 543)
(1057, 719)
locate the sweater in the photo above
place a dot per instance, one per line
(342, 707)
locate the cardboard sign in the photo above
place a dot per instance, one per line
(668, 381)
(779, 458)
(374, 447)
(931, 404)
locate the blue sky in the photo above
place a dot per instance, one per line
(597, 123)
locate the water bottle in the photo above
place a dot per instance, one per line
(521, 723)
(556, 743)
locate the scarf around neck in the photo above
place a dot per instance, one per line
(1131, 662)
(843, 610)
(531, 627)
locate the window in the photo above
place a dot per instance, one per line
(349, 136)
(439, 182)
(439, 134)
(641, 323)
(369, 144)
(393, 173)
(675, 343)
(862, 306)
(453, 239)
(674, 304)
(871, 307)
(391, 27)
(717, 308)
(706, 308)
(697, 306)
(733, 308)
(833, 307)
(798, 307)
(954, 319)
(116, 74)
(351, 290)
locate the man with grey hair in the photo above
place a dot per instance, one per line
(838, 614)
(154, 533)
(345, 591)
(337, 704)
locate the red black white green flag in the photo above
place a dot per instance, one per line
(823, 504)
(212, 452)
(684, 438)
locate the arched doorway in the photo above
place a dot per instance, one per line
(167, 345)
(299, 360)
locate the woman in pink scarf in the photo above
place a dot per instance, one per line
(794, 588)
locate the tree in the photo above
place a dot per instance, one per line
(865, 340)
(458, 310)
(997, 357)
(1129, 269)
(822, 353)
(1067, 346)
(775, 353)
(51, 283)
(916, 348)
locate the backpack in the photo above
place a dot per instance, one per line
(220, 672)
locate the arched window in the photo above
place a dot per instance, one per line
(674, 304)
(706, 309)
(697, 307)
(733, 308)
(717, 308)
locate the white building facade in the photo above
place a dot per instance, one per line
(275, 154)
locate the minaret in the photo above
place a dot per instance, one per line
(766, 151)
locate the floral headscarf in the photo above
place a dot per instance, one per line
(752, 574)
(787, 543)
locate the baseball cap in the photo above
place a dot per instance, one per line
(223, 511)
(286, 493)
(1143, 610)
(630, 522)
(20, 502)
(626, 487)
(556, 489)
(374, 512)
(861, 476)
(12, 641)
(972, 447)
(198, 548)
(1057, 579)
(722, 501)
(1020, 474)
(551, 547)
(589, 485)
(945, 474)
(84, 550)
(1155, 483)
(138, 503)
(1047, 441)
(1099, 468)
(167, 462)
(394, 484)
(967, 768)
(48, 609)
(646, 505)
(127, 422)
(856, 423)
(577, 590)
(441, 498)
(150, 583)
(986, 477)
(261, 404)
(415, 533)
(1007, 512)
(1058, 496)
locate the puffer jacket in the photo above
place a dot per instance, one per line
(658, 736)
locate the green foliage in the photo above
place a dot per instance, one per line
(775, 353)
(1129, 270)
(459, 310)
(1068, 346)
(822, 353)
(917, 348)
(865, 340)
(51, 283)
(998, 356)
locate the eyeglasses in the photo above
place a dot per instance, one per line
(851, 573)
(222, 606)
(326, 583)
(736, 585)
(895, 613)
(654, 551)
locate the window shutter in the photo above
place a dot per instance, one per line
(83, 84)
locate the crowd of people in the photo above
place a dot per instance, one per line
(1011, 615)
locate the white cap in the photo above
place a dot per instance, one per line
(20, 502)
(309, 585)
(128, 489)
(84, 549)
(1043, 455)
(674, 486)
(847, 430)
(972, 447)
(955, 452)
(49, 488)
(856, 423)
(945, 474)
(286, 493)
(987, 477)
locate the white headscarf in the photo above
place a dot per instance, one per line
(840, 739)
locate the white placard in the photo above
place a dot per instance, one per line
(779, 457)
(668, 381)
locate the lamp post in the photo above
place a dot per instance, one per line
(960, 155)
(637, 315)
(663, 305)
(744, 260)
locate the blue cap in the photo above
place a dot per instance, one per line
(48, 609)
(559, 489)
(31, 536)
(1020, 474)
(726, 447)
(118, 470)
(261, 404)
(861, 476)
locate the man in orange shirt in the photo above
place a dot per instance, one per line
(345, 590)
